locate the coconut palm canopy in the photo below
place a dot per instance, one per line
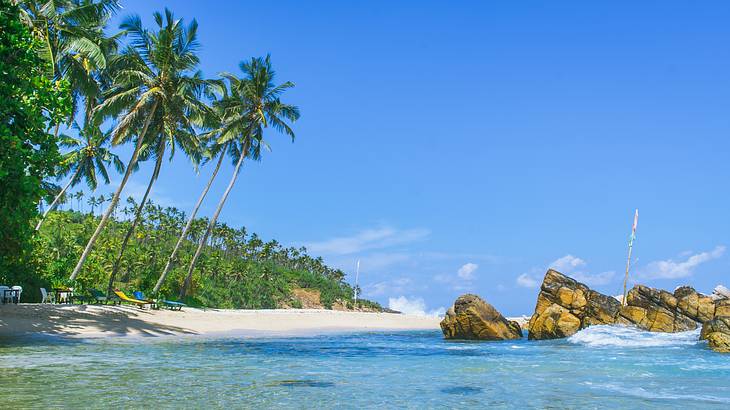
(88, 159)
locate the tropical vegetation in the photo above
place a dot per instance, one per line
(73, 91)
(237, 269)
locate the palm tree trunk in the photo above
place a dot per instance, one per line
(137, 217)
(211, 224)
(56, 199)
(185, 230)
(115, 198)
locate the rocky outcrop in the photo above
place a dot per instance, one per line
(694, 305)
(565, 306)
(722, 307)
(553, 323)
(657, 310)
(717, 333)
(471, 318)
(660, 311)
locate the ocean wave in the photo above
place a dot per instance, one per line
(624, 336)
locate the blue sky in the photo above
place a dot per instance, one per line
(468, 147)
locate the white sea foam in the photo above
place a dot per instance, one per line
(624, 336)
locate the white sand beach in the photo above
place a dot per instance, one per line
(94, 321)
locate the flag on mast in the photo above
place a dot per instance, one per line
(631, 246)
(633, 227)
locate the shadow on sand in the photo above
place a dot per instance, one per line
(80, 320)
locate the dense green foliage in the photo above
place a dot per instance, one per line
(236, 269)
(29, 103)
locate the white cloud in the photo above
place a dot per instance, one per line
(567, 264)
(573, 267)
(466, 272)
(394, 286)
(527, 281)
(367, 239)
(597, 279)
(413, 306)
(381, 260)
(462, 280)
(671, 269)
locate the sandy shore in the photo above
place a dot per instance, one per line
(93, 321)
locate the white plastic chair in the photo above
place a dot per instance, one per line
(2, 293)
(20, 292)
(45, 297)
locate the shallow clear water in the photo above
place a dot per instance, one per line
(597, 368)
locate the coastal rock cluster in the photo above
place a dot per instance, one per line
(565, 306)
(657, 310)
(471, 318)
(717, 333)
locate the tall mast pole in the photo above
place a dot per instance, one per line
(631, 247)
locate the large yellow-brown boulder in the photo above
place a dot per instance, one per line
(657, 310)
(553, 323)
(717, 333)
(471, 318)
(722, 307)
(694, 305)
(565, 306)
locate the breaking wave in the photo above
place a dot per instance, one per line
(623, 336)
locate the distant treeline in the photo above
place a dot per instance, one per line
(237, 269)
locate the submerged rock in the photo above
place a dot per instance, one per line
(471, 318)
(564, 306)
(717, 333)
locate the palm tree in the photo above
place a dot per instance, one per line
(155, 87)
(85, 160)
(92, 203)
(75, 44)
(79, 196)
(252, 104)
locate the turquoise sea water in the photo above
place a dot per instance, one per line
(598, 368)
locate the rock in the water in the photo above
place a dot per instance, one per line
(565, 306)
(471, 318)
(694, 305)
(722, 307)
(657, 310)
(553, 323)
(717, 333)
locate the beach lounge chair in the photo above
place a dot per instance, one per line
(173, 305)
(125, 298)
(140, 296)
